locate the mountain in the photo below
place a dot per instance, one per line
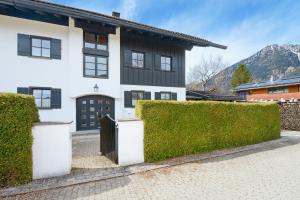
(276, 60)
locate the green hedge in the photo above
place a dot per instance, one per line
(17, 116)
(181, 128)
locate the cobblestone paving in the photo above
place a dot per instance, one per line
(258, 174)
(86, 153)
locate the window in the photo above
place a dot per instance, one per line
(95, 41)
(40, 47)
(95, 66)
(42, 97)
(165, 96)
(165, 63)
(138, 59)
(135, 95)
(278, 90)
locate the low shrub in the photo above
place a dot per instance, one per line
(181, 128)
(17, 116)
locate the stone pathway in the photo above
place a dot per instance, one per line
(86, 153)
(245, 172)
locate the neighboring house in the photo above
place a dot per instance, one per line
(80, 65)
(285, 89)
(196, 95)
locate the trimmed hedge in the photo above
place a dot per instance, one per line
(17, 116)
(180, 128)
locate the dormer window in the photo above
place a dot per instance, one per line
(95, 41)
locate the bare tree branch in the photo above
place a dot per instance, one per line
(205, 70)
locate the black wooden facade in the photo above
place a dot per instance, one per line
(153, 49)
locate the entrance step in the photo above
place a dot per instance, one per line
(87, 132)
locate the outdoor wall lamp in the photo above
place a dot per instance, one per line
(96, 88)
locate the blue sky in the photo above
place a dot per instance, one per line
(245, 26)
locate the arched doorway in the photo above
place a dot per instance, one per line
(90, 108)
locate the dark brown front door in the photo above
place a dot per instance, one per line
(90, 108)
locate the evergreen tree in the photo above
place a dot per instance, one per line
(241, 75)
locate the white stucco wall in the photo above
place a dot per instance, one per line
(130, 112)
(51, 150)
(22, 71)
(66, 73)
(130, 142)
(82, 86)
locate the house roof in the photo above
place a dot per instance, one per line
(201, 95)
(43, 6)
(273, 97)
(269, 84)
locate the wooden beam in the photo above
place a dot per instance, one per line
(57, 16)
(4, 6)
(41, 13)
(22, 9)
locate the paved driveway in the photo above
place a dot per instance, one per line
(86, 153)
(269, 174)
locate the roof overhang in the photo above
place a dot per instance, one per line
(60, 12)
(265, 87)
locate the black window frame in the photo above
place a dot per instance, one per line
(137, 59)
(169, 93)
(32, 37)
(95, 43)
(96, 67)
(32, 89)
(137, 92)
(163, 64)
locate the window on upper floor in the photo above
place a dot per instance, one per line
(165, 63)
(95, 66)
(137, 59)
(95, 41)
(42, 98)
(40, 47)
(278, 90)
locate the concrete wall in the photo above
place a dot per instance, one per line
(130, 142)
(51, 150)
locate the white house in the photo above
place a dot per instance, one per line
(80, 65)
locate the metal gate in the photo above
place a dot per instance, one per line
(109, 138)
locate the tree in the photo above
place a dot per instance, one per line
(205, 70)
(241, 75)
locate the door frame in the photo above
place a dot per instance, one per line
(92, 96)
